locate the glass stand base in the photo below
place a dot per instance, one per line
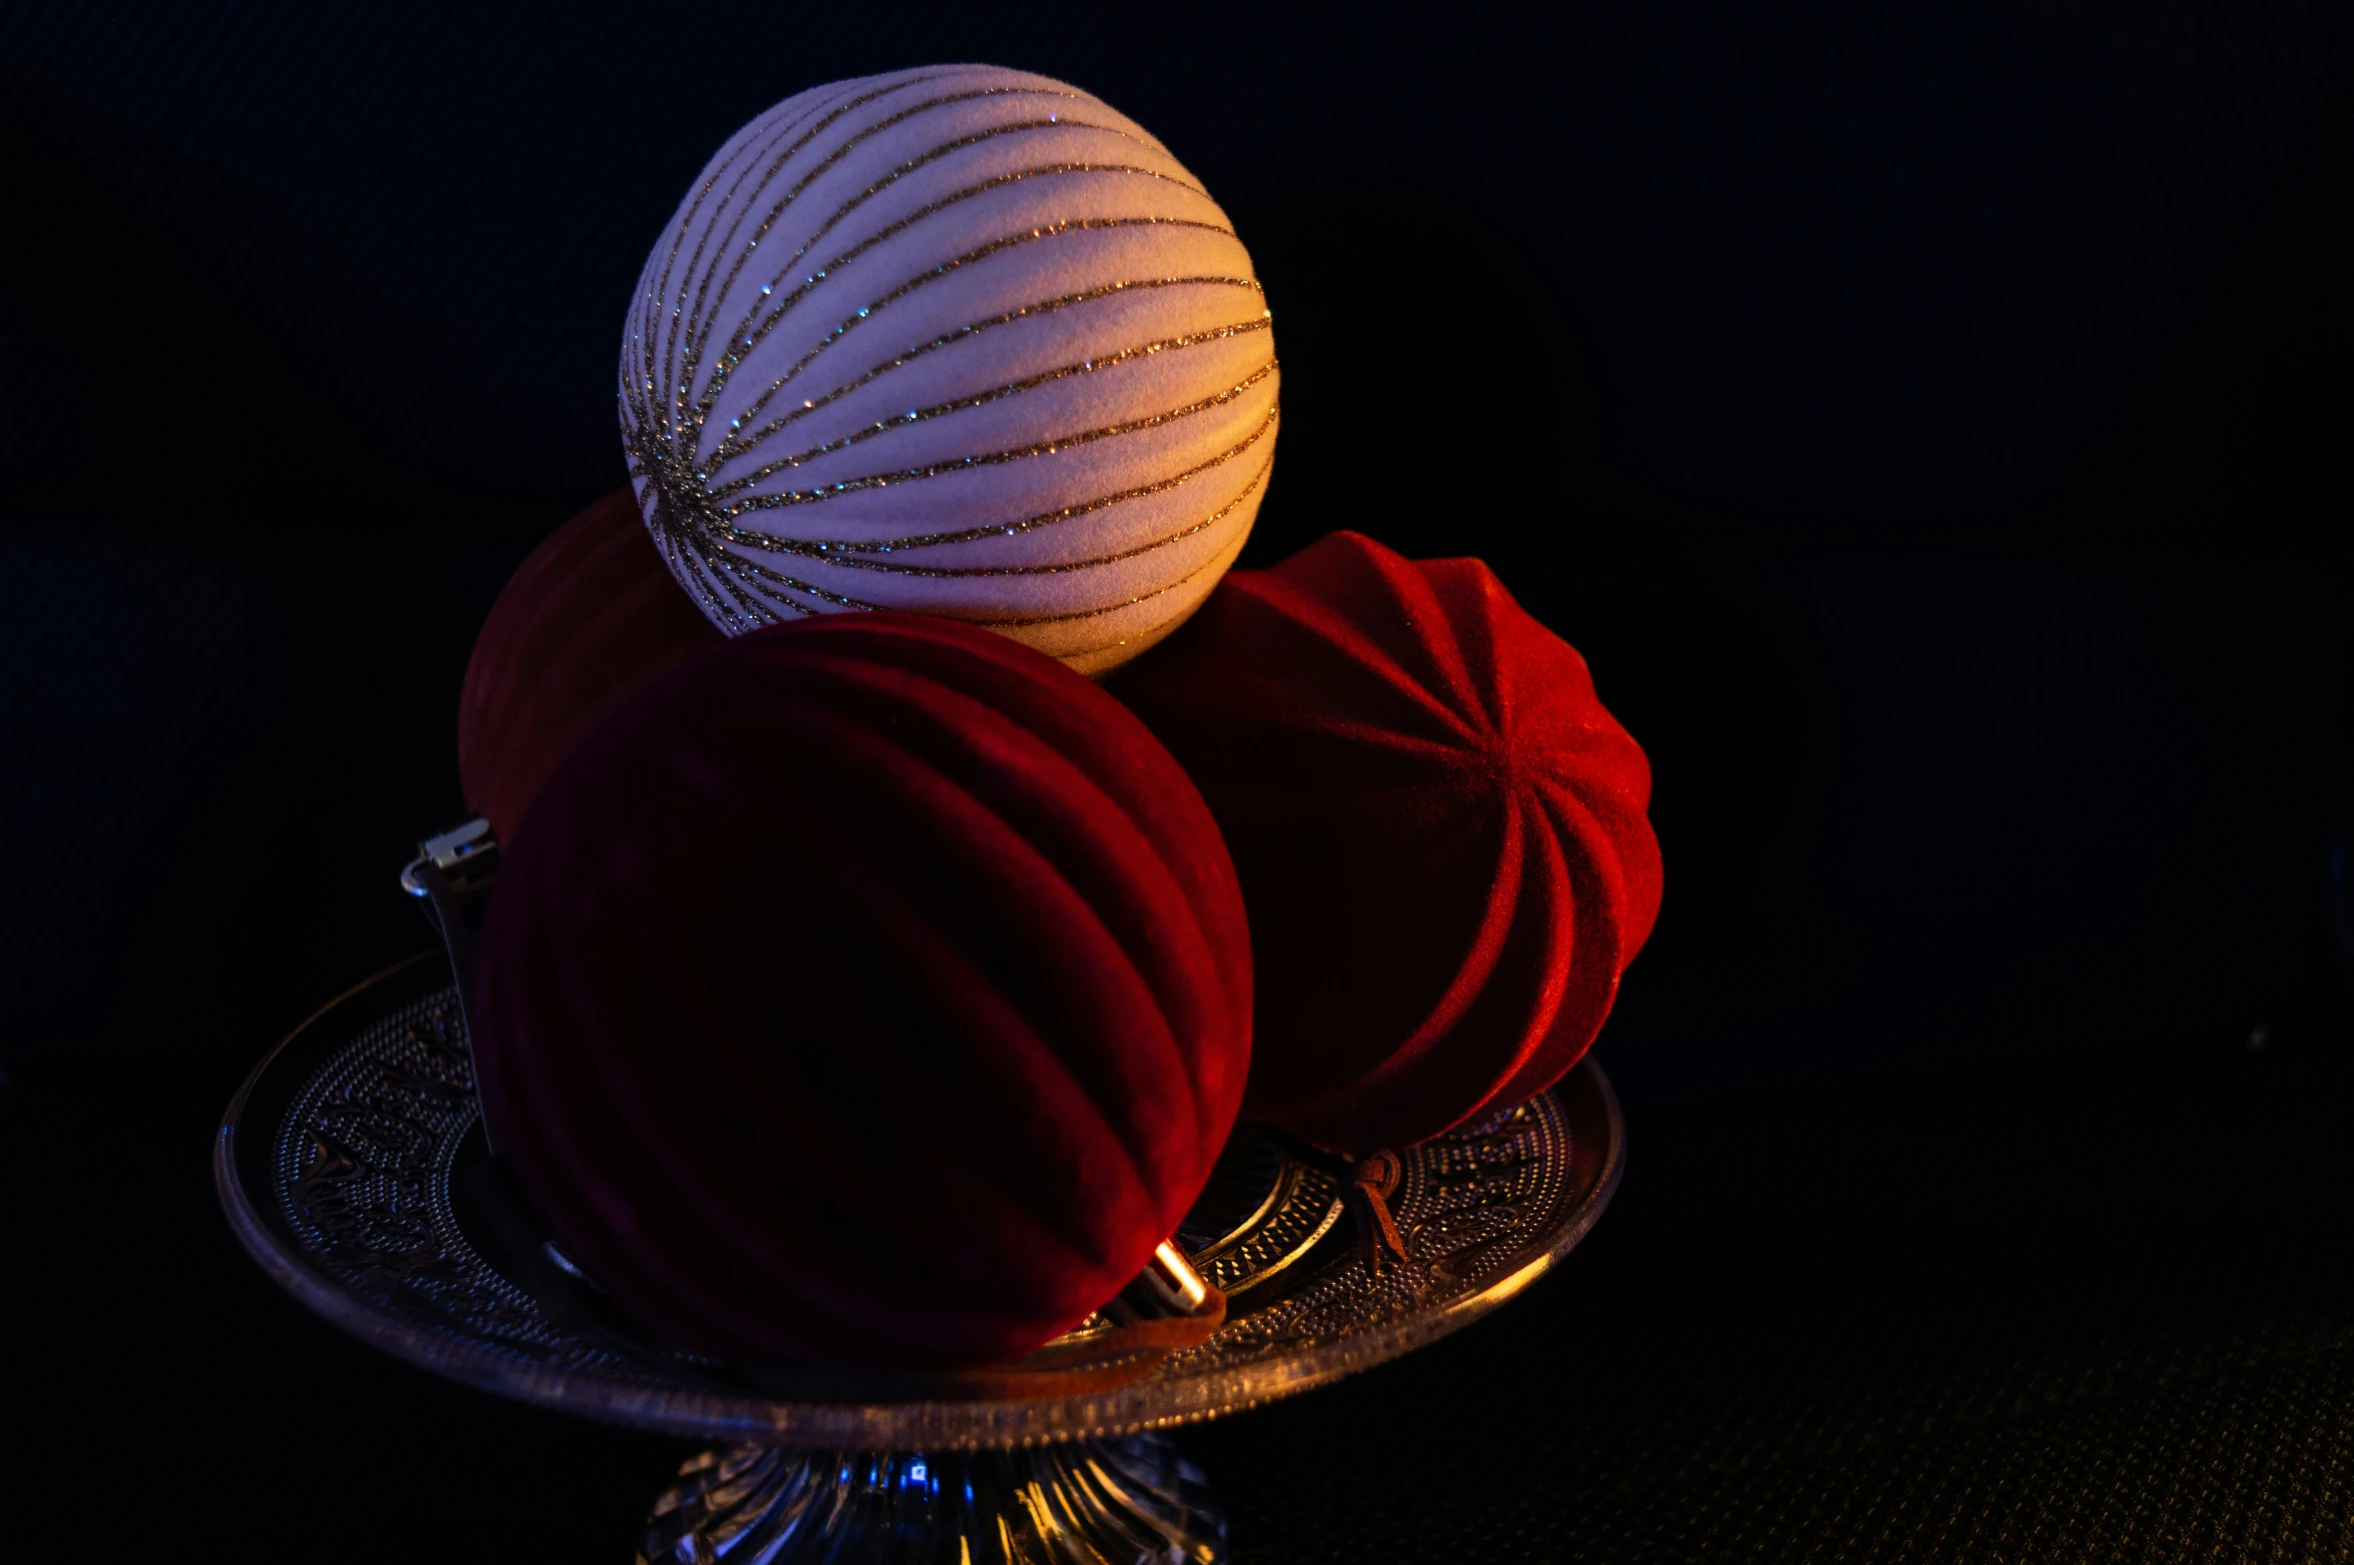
(1129, 1501)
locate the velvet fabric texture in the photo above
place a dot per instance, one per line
(1439, 829)
(589, 617)
(869, 990)
(953, 339)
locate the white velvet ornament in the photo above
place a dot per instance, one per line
(958, 340)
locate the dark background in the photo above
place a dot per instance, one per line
(1934, 423)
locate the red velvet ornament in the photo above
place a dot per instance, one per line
(1439, 830)
(588, 618)
(868, 990)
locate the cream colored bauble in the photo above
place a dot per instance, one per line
(958, 340)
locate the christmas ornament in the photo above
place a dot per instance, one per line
(959, 340)
(1439, 830)
(589, 617)
(867, 990)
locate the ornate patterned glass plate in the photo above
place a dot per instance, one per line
(335, 1167)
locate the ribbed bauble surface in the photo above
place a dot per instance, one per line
(588, 617)
(1439, 829)
(959, 340)
(867, 990)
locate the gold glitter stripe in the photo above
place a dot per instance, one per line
(1109, 608)
(730, 447)
(654, 440)
(697, 324)
(808, 284)
(749, 340)
(699, 330)
(826, 548)
(756, 608)
(1047, 447)
(981, 399)
(1131, 132)
(763, 576)
(745, 160)
(946, 268)
(654, 279)
(1052, 122)
(743, 256)
(960, 572)
(713, 570)
(842, 601)
(700, 572)
(703, 578)
(694, 263)
(711, 583)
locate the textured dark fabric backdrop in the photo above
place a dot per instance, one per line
(1934, 423)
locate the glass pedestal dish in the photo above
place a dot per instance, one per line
(340, 1165)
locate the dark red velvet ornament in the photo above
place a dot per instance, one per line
(592, 615)
(1439, 830)
(868, 990)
